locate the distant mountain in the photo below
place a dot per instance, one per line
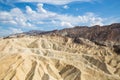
(33, 32)
(99, 33)
(94, 33)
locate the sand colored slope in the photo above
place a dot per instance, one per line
(56, 58)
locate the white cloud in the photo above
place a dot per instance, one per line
(19, 17)
(9, 22)
(91, 19)
(65, 6)
(5, 32)
(6, 18)
(112, 20)
(29, 10)
(40, 8)
(15, 30)
(53, 21)
(66, 24)
(88, 18)
(56, 2)
(41, 18)
(15, 17)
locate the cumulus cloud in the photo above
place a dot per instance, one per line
(15, 17)
(29, 10)
(40, 8)
(18, 16)
(42, 18)
(56, 2)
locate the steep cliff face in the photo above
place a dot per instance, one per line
(57, 58)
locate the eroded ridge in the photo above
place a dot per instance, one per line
(56, 58)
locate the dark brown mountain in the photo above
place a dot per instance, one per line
(95, 33)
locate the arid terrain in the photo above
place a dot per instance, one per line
(79, 53)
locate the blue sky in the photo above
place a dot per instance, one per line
(24, 15)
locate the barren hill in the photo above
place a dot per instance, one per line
(66, 54)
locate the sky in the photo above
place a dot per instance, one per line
(17, 16)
